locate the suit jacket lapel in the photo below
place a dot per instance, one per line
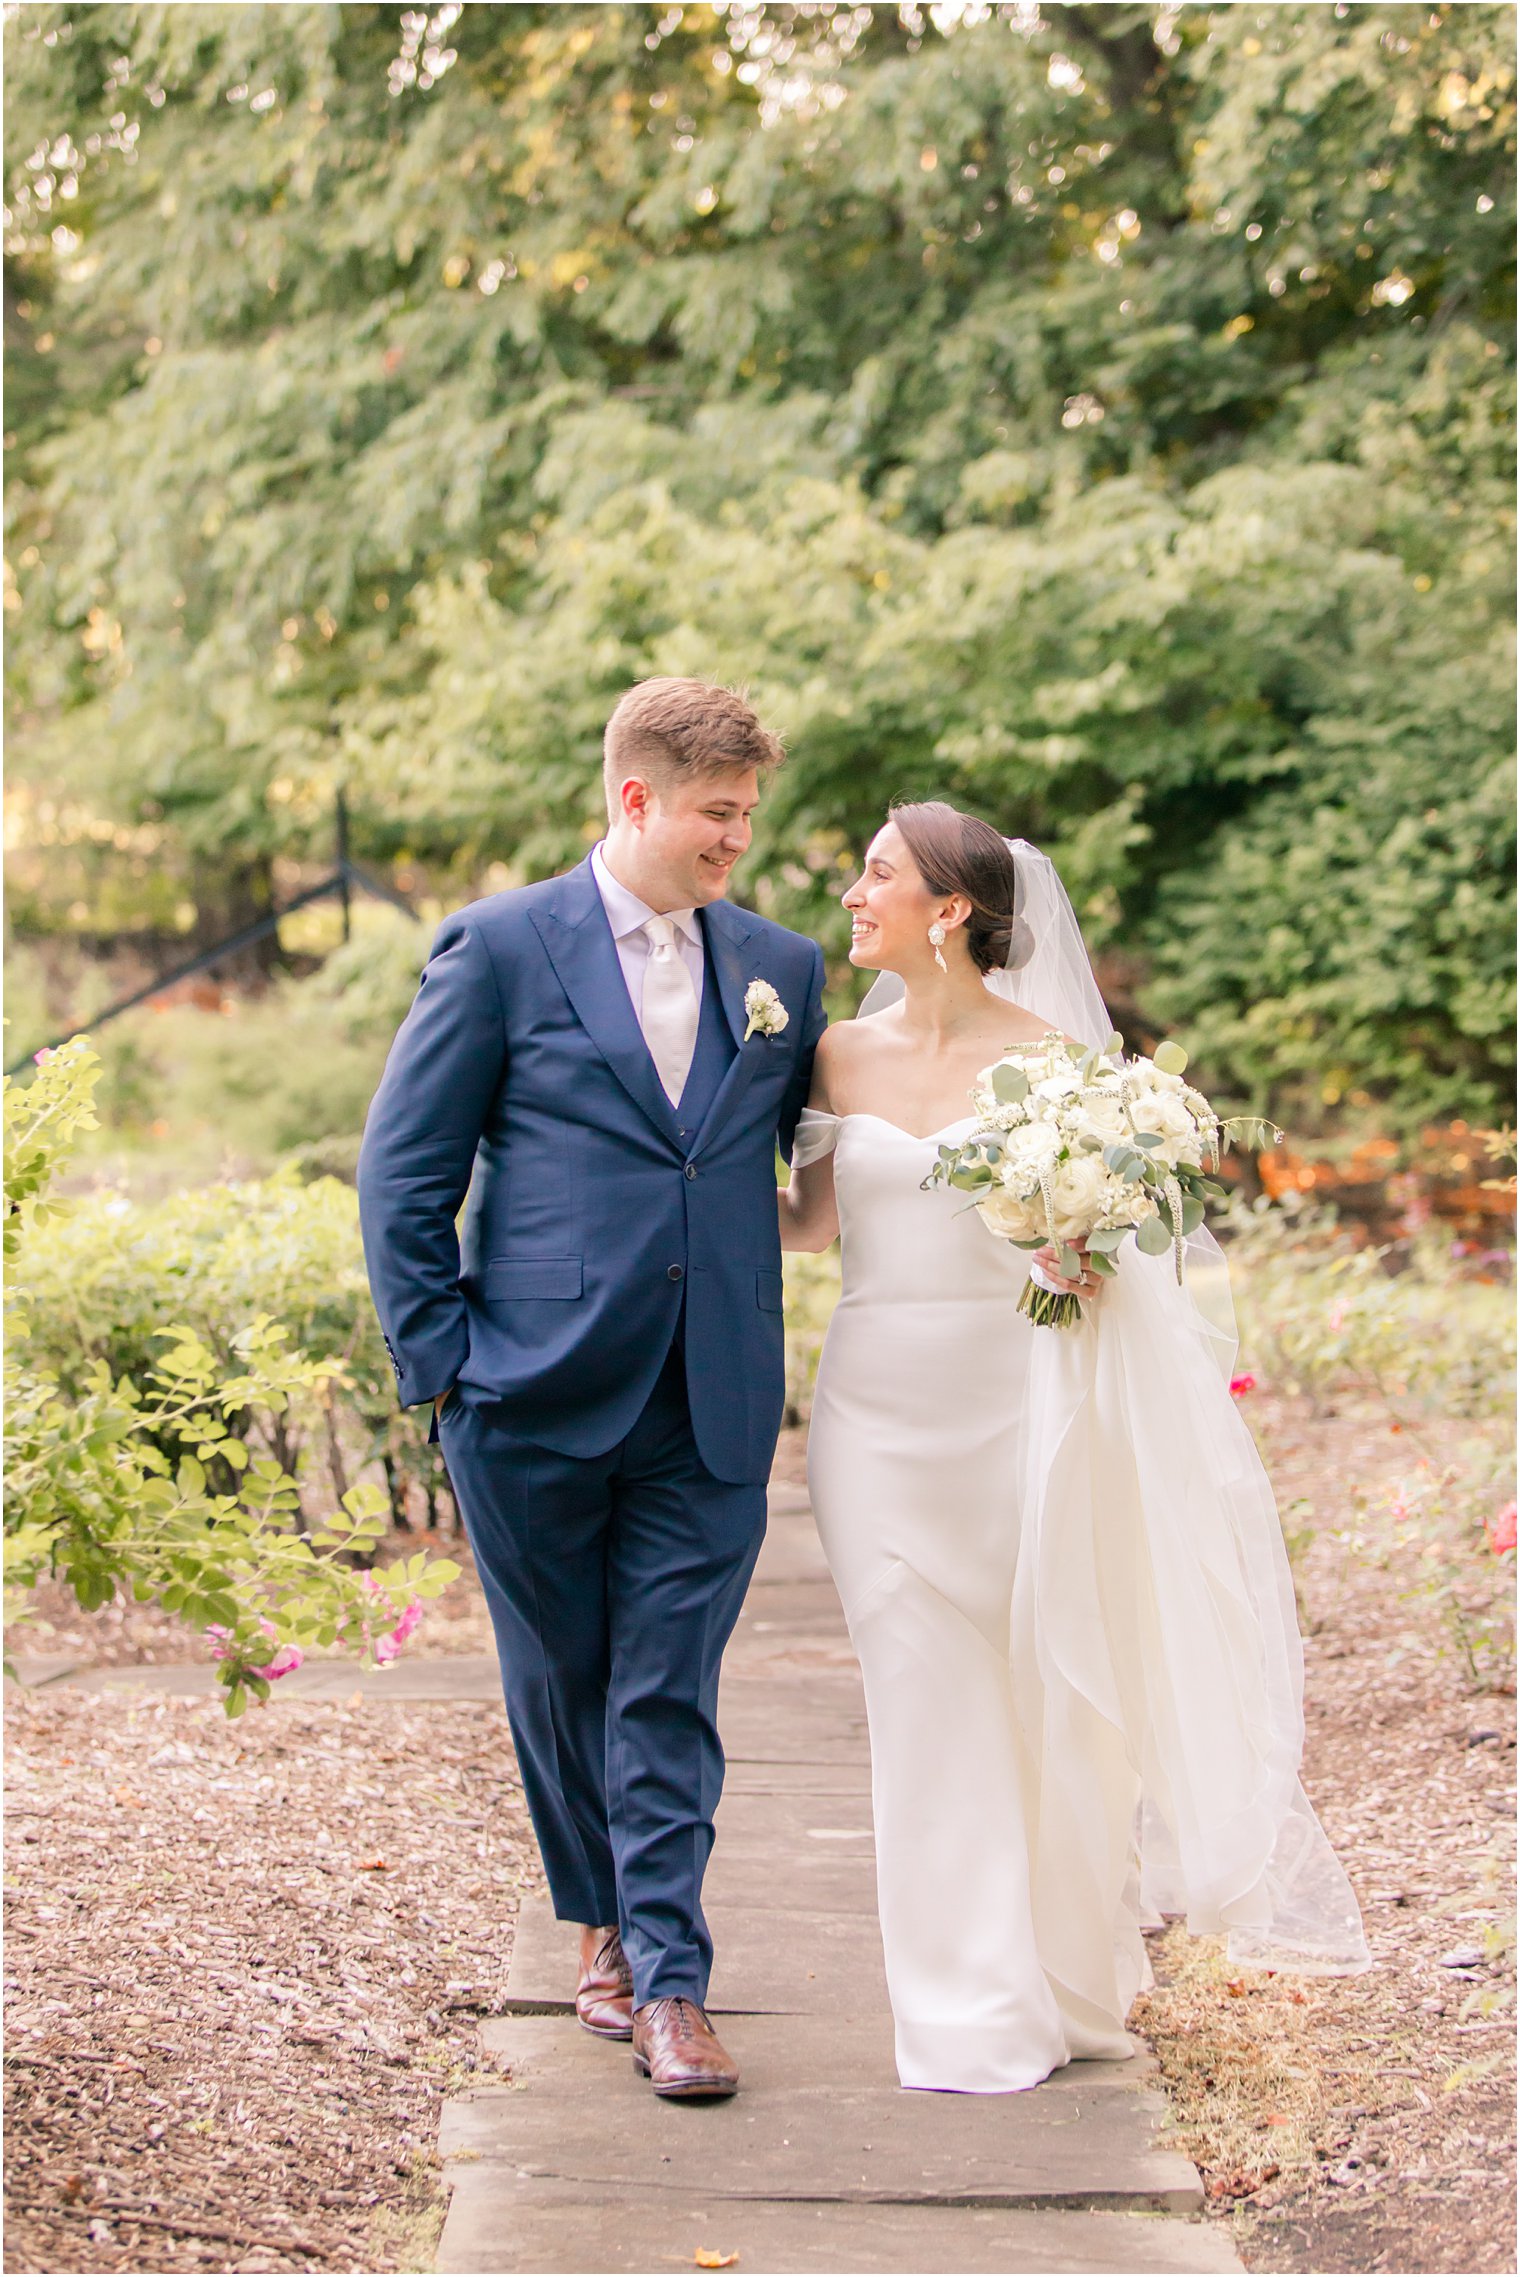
(578, 938)
(728, 935)
(727, 931)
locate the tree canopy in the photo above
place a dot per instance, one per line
(1100, 416)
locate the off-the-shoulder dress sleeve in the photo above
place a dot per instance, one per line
(817, 1135)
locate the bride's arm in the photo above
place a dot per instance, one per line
(808, 1210)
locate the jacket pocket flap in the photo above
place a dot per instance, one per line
(533, 1277)
(768, 1290)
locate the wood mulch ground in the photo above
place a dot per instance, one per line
(244, 1966)
(244, 1961)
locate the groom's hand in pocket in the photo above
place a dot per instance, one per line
(442, 1399)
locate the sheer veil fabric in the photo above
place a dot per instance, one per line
(1152, 1602)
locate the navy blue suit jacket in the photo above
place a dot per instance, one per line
(520, 1075)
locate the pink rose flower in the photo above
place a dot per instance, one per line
(389, 1646)
(1501, 1530)
(285, 1662)
(1240, 1385)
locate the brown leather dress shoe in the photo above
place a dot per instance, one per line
(678, 2051)
(604, 1996)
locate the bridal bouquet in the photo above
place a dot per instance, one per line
(1090, 1147)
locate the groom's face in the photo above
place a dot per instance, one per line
(688, 834)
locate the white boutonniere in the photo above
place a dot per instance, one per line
(766, 1013)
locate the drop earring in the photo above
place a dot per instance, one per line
(936, 938)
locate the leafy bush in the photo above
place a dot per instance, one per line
(150, 1453)
(286, 1075)
(812, 1291)
(1322, 1318)
(1319, 1314)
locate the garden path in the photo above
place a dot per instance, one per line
(822, 2162)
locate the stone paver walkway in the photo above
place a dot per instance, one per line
(822, 2163)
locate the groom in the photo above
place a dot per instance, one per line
(607, 1061)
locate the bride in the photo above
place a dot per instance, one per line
(1057, 1550)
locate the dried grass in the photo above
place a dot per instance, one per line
(1365, 2123)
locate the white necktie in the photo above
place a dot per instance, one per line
(669, 1016)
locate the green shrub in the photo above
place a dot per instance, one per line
(812, 1291)
(1320, 1314)
(155, 1408)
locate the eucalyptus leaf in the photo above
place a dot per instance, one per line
(1253, 1132)
(1105, 1239)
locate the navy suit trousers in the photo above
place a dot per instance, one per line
(614, 1582)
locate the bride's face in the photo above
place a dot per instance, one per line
(891, 909)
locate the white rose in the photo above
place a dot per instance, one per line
(1166, 1116)
(1029, 1151)
(1081, 1189)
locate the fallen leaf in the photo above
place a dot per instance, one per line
(1236, 1988)
(1241, 2185)
(705, 2258)
(372, 1866)
(126, 1798)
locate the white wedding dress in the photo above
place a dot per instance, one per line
(1062, 1569)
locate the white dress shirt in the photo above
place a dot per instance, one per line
(627, 916)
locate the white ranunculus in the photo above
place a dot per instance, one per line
(1103, 1114)
(1015, 1218)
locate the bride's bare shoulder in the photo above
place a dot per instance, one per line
(1023, 1028)
(845, 1052)
(848, 1043)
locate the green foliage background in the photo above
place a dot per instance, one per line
(1104, 420)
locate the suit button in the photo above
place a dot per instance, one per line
(691, 1170)
(674, 1273)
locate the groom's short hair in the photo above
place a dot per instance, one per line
(664, 729)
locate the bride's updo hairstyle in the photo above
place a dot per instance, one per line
(957, 853)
